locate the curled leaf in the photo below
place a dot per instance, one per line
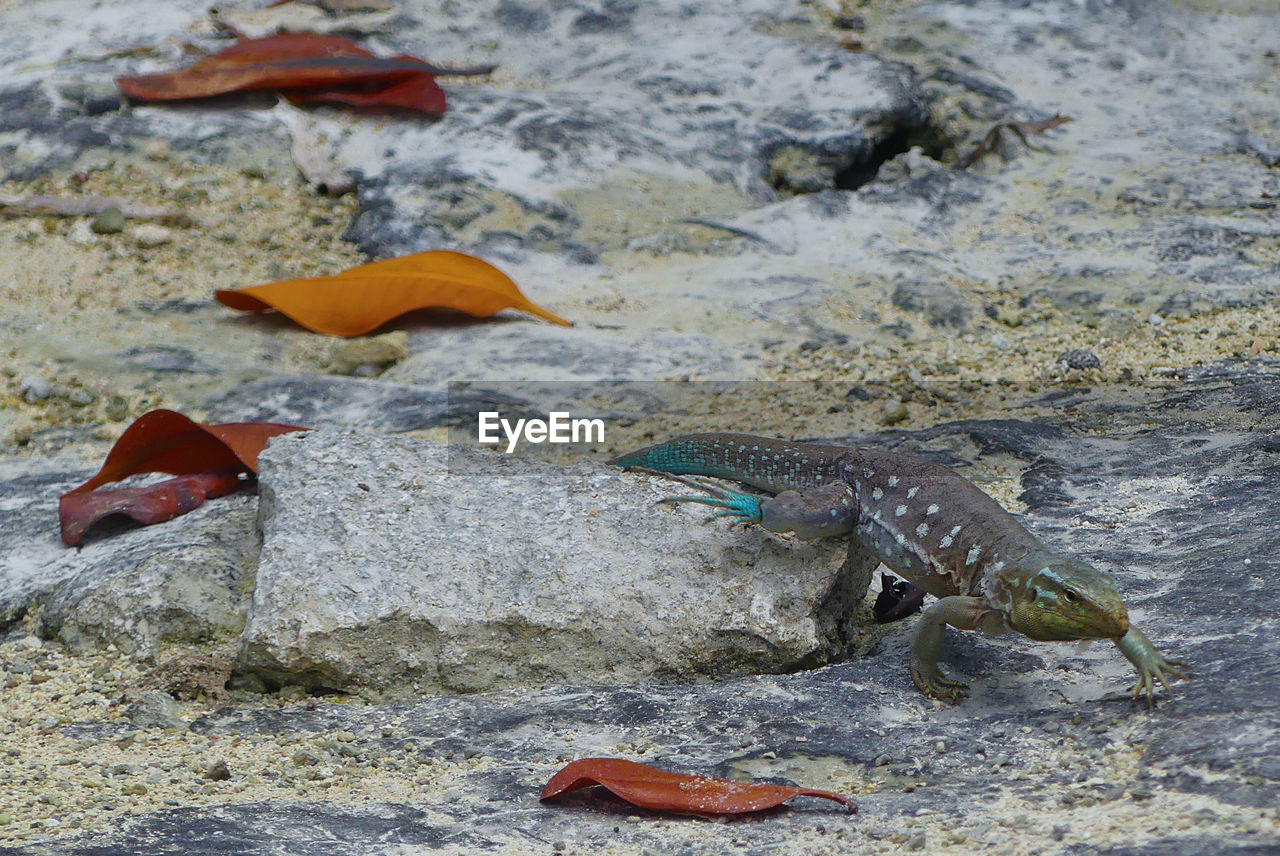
(661, 790)
(361, 299)
(155, 503)
(307, 66)
(164, 441)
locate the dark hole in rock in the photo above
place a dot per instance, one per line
(897, 135)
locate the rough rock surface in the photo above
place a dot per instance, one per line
(1048, 755)
(393, 565)
(186, 581)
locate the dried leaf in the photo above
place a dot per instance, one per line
(419, 92)
(361, 299)
(1020, 129)
(156, 503)
(316, 64)
(163, 441)
(649, 787)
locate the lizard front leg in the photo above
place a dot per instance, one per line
(823, 512)
(1150, 663)
(961, 612)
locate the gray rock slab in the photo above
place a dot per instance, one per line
(390, 565)
(135, 587)
(1049, 749)
(320, 401)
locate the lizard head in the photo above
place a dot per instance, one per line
(1069, 599)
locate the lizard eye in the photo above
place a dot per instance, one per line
(1070, 596)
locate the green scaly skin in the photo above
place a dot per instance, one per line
(927, 524)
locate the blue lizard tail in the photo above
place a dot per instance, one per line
(762, 462)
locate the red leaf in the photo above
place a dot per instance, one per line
(162, 441)
(154, 504)
(649, 787)
(419, 92)
(327, 68)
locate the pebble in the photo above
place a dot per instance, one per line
(1001, 341)
(893, 412)
(35, 389)
(109, 222)
(219, 772)
(150, 235)
(81, 234)
(156, 709)
(1079, 358)
(158, 150)
(916, 842)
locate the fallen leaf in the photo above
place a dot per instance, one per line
(155, 503)
(419, 92)
(1020, 129)
(311, 64)
(649, 787)
(164, 441)
(361, 299)
(208, 458)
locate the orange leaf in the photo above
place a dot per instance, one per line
(211, 457)
(361, 299)
(649, 787)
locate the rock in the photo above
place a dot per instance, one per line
(942, 305)
(109, 222)
(368, 355)
(183, 580)
(795, 170)
(1080, 359)
(149, 235)
(156, 709)
(337, 402)
(34, 389)
(500, 571)
(158, 150)
(129, 593)
(893, 412)
(81, 234)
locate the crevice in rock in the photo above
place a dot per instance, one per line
(897, 134)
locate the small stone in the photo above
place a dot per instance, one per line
(1060, 831)
(219, 772)
(1079, 358)
(916, 842)
(150, 235)
(109, 222)
(158, 150)
(5, 819)
(35, 389)
(81, 397)
(893, 412)
(134, 789)
(1001, 341)
(156, 709)
(117, 409)
(796, 170)
(940, 747)
(376, 352)
(81, 234)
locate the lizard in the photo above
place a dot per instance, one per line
(926, 523)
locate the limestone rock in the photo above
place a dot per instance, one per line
(390, 565)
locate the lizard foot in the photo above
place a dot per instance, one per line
(934, 684)
(1152, 666)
